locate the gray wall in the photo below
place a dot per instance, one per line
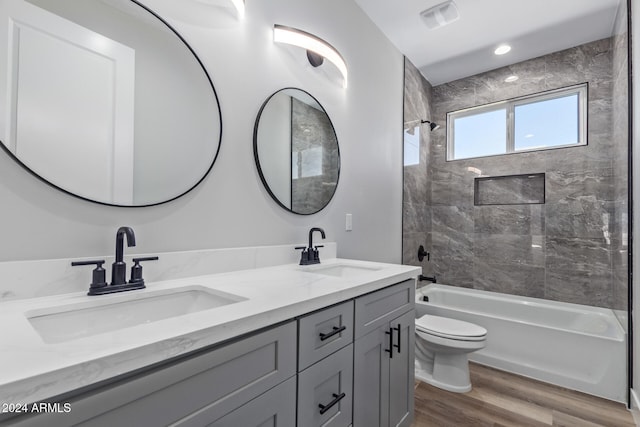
(312, 193)
(231, 208)
(567, 249)
(620, 157)
(416, 206)
(635, 59)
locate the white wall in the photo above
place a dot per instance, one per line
(231, 208)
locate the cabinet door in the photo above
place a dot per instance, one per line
(378, 308)
(401, 370)
(371, 379)
(325, 391)
(275, 408)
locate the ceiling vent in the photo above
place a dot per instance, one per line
(440, 15)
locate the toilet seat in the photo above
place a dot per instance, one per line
(453, 329)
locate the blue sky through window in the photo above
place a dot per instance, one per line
(483, 134)
(547, 123)
(552, 119)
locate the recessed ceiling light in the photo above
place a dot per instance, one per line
(502, 49)
(511, 79)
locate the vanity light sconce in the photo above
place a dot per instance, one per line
(317, 49)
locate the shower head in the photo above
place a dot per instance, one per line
(413, 123)
(433, 126)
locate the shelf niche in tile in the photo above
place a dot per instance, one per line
(526, 189)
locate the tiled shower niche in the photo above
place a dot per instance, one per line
(527, 189)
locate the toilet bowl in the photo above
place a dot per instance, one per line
(442, 345)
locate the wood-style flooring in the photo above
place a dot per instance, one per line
(500, 399)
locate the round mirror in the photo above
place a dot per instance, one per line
(104, 100)
(296, 151)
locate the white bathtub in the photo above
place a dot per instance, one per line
(574, 346)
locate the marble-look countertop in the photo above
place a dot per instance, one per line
(32, 370)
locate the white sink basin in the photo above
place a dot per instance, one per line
(342, 270)
(118, 311)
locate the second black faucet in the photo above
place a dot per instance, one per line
(311, 255)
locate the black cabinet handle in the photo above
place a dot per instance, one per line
(336, 330)
(336, 398)
(390, 349)
(399, 336)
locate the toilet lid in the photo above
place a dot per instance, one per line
(450, 328)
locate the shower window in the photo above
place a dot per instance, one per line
(552, 119)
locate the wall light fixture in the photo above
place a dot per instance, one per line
(317, 49)
(239, 5)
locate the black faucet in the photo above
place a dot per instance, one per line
(431, 279)
(311, 255)
(119, 268)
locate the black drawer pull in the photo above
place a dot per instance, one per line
(399, 335)
(390, 349)
(335, 331)
(337, 398)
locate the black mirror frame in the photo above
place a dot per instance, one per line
(257, 160)
(215, 157)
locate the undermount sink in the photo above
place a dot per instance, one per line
(341, 270)
(64, 323)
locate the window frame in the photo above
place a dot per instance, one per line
(582, 90)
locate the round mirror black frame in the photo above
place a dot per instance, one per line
(257, 159)
(215, 157)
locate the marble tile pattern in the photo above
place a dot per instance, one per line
(312, 128)
(509, 190)
(572, 248)
(620, 105)
(416, 206)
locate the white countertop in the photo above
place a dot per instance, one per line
(32, 370)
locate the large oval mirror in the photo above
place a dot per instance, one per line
(105, 101)
(296, 151)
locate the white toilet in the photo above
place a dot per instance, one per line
(442, 345)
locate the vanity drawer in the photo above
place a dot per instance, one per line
(324, 332)
(194, 390)
(378, 308)
(325, 391)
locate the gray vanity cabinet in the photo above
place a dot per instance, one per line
(325, 391)
(325, 367)
(324, 332)
(195, 390)
(351, 363)
(384, 357)
(277, 407)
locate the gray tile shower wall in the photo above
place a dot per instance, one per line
(416, 207)
(620, 254)
(573, 247)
